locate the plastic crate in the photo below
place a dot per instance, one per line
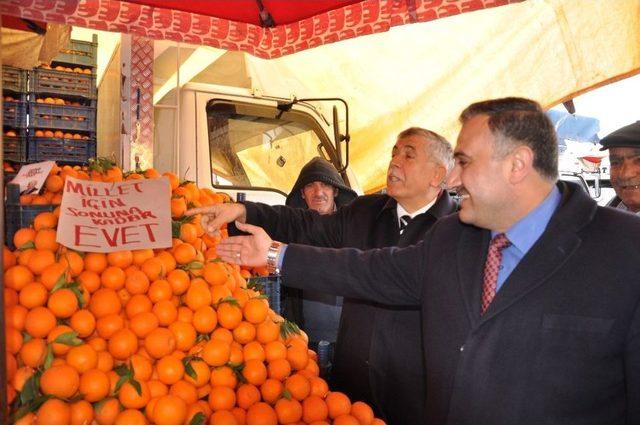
(18, 216)
(15, 148)
(54, 82)
(14, 79)
(76, 52)
(14, 114)
(68, 151)
(63, 117)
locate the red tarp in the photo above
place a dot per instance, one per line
(234, 24)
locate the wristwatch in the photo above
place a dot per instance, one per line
(272, 257)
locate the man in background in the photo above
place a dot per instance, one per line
(624, 156)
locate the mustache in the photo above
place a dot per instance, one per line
(627, 183)
(460, 192)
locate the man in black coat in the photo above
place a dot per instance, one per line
(530, 296)
(377, 359)
(624, 157)
(319, 187)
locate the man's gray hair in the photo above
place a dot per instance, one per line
(437, 146)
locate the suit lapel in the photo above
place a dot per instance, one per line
(470, 268)
(546, 256)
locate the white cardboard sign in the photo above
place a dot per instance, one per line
(31, 177)
(108, 217)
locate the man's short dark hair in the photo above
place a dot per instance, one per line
(517, 121)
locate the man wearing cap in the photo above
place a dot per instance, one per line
(624, 155)
(377, 359)
(320, 188)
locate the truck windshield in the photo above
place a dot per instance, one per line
(259, 146)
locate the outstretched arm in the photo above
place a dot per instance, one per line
(214, 216)
(390, 275)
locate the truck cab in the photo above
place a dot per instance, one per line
(253, 146)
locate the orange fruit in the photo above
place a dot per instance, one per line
(94, 385)
(205, 319)
(103, 302)
(23, 236)
(362, 412)
(141, 255)
(166, 312)
(160, 342)
(33, 295)
(18, 276)
(89, 280)
(247, 395)
(123, 344)
(184, 253)
(314, 409)
(40, 259)
(215, 273)
(244, 333)
(346, 420)
(256, 310)
(45, 220)
(32, 352)
(54, 273)
(13, 340)
(83, 322)
(185, 391)
(185, 335)
(113, 277)
(129, 397)
(198, 295)
(136, 282)
(338, 404)
(222, 398)
(95, 262)
(108, 325)
(319, 386)
(63, 303)
(254, 371)
(169, 370)
(130, 417)
(107, 411)
(53, 412)
(271, 390)
(15, 316)
(179, 281)
(169, 410)
(60, 381)
(153, 268)
(160, 290)
(73, 261)
(143, 323)
(223, 376)
(261, 413)
(288, 411)
(229, 315)
(138, 304)
(216, 352)
(122, 259)
(54, 183)
(298, 386)
(279, 369)
(39, 322)
(224, 417)
(188, 233)
(82, 358)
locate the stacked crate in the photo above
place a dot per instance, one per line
(14, 115)
(62, 106)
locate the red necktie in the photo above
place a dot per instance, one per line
(491, 268)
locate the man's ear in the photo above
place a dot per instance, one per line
(521, 163)
(440, 176)
(302, 192)
(335, 192)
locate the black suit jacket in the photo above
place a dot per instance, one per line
(560, 344)
(378, 357)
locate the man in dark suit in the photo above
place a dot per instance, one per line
(377, 358)
(530, 296)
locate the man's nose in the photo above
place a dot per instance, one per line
(625, 170)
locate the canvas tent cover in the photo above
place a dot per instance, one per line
(392, 75)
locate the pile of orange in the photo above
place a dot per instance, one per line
(77, 69)
(169, 336)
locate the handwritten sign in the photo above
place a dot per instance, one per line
(31, 177)
(107, 217)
